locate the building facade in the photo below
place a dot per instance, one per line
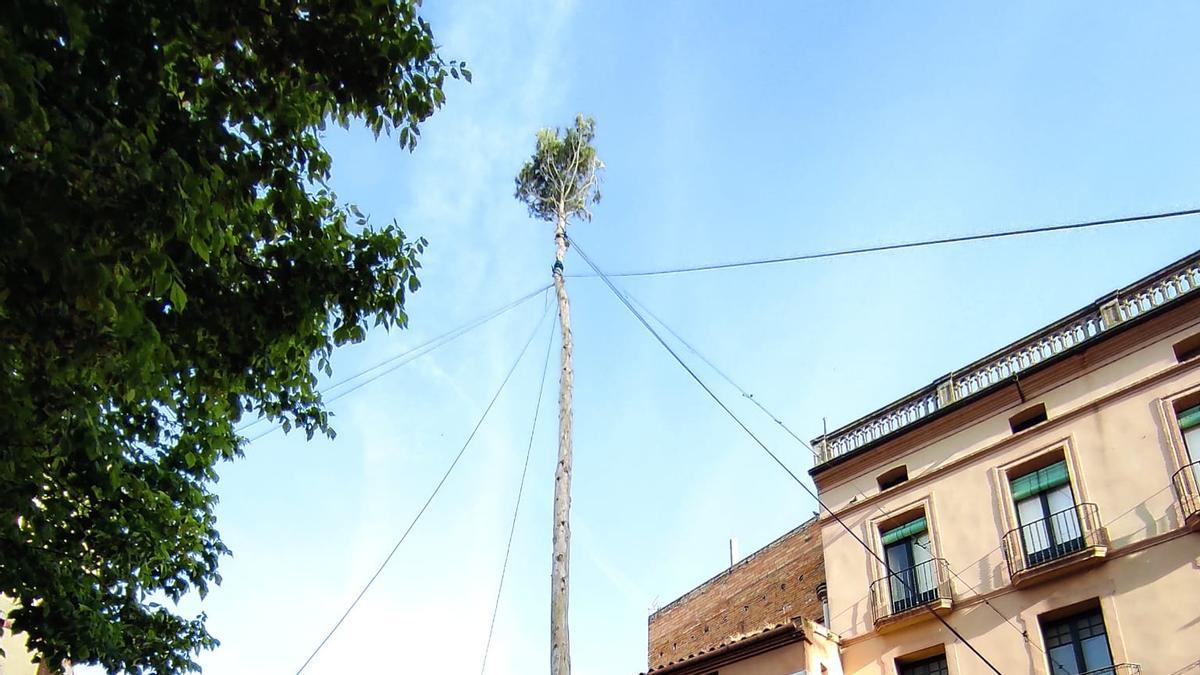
(759, 617)
(1036, 511)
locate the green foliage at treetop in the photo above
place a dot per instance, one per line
(173, 262)
(562, 178)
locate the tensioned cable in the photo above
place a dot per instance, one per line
(612, 287)
(904, 245)
(517, 507)
(428, 501)
(450, 335)
(1024, 633)
(407, 356)
(718, 371)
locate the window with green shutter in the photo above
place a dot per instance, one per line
(912, 576)
(905, 531)
(1189, 426)
(1047, 514)
(1040, 480)
(1189, 418)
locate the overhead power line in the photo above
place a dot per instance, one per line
(405, 357)
(879, 509)
(628, 305)
(871, 249)
(512, 529)
(911, 244)
(428, 501)
(447, 336)
(745, 394)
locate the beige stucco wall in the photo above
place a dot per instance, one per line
(1150, 601)
(1121, 448)
(824, 652)
(16, 660)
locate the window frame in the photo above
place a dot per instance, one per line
(886, 519)
(904, 664)
(892, 478)
(1063, 449)
(907, 577)
(1028, 418)
(1169, 408)
(1187, 348)
(1057, 619)
(1056, 546)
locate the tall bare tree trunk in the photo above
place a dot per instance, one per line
(560, 643)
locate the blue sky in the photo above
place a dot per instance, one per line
(730, 130)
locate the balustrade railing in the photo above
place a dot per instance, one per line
(1051, 342)
(1129, 303)
(1054, 537)
(1117, 669)
(1187, 489)
(902, 590)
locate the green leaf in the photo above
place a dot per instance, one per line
(200, 246)
(178, 297)
(183, 262)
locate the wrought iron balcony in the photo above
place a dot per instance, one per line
(1187, 491)
(1159, 289)
(908, 591)
(1118, 669)
(1054, 543)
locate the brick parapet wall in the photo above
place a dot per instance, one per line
(769, 587)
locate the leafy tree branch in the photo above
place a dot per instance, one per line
(173, 262)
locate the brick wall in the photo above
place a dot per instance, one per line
(769, 587)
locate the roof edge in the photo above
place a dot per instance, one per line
(997, 386)
(752, 645)
(730, 570)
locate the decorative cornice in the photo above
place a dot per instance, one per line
(1090, 357)
(1109, 314)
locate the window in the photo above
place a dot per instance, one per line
(892, 477)
(1187, 479)
(931, 666)
(1077, 644)
(1189, 425)
(1046, 514)
(912, 578)
(1030, 417)
(1188, 348)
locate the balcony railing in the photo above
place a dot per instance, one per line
(1118, 669)
(1161, 288)
(1187, 491)
(1054, 537)
(908, 589)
